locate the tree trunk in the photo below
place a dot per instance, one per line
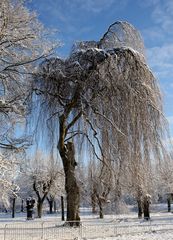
(39, 209)
(139, 199)
(54, 206)
(72, 191)
(51, 207)
(93, 202)
(29, 207)
(22, 205)
(13, 207)
(169, 204)
(146, 205)
(50, 200)
(71, 186)
(140, 210)
(67, 153)
(100, 209)
(62, 208)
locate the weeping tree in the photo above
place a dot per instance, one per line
(101, 85)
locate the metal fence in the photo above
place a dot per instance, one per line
(86, 230)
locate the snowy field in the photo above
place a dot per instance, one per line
(118, 227)
(144, 236)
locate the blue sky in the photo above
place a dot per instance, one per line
(89, 19)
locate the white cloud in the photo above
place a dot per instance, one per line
(70, 12)
(161, 60)
(148, 3)
(160, 34)
(64, 9)
(163, 15)
(152, 33)
(95, 6)
(161, 55)
(162, 20)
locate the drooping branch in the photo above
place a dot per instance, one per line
(106, 93)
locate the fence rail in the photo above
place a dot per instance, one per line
(86, 230)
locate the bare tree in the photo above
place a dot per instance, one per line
(140, 186)
(46, 177)
(51, 199)
(57, 188)
(102, 85)
(23, 42)
(9, 168)
(100, 184)
(164, 180)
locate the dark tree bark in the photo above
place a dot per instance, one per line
(54, 206)
(169, 203)
(146, 205)
(140, 209)
(62, 208)
(139, 200)
(13, 207)
(29, 207)
(39, 208)
(100, 209)
(51, 207)
(71, 186)
(100, 201)
(93, 202)
(22, 205)
(50, 200)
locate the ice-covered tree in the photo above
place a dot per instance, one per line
(102, 85)
(44, 178)
(100, 183)
(23, 42)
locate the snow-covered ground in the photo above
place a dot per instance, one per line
(118, 227)
(142, 236)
